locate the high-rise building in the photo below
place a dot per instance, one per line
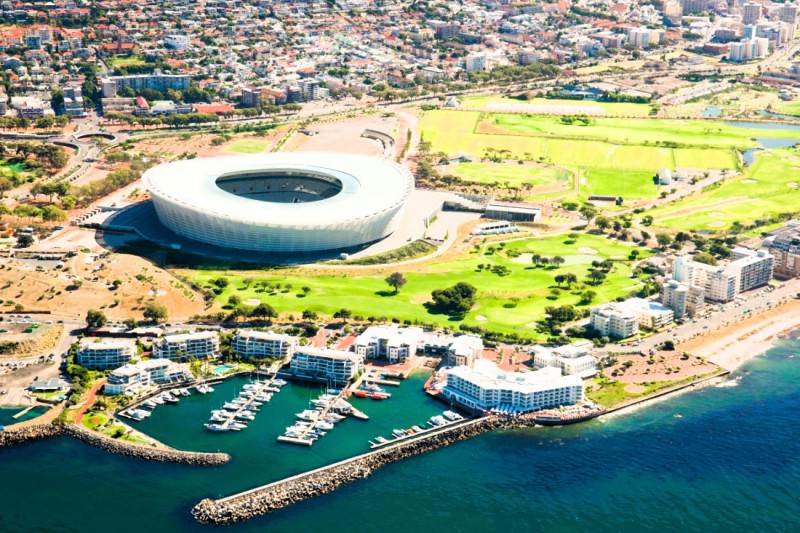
(751, 13)
(614, 320)
(784, 245)
(475, 62)
(684, 300)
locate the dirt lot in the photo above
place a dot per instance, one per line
(344, 136)
(40, 340)
(85, 283)
(664, 366)
(201, 144)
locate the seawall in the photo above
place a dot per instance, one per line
(268, 498)
(129, 449)
(14, 437)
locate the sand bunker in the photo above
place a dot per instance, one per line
(792, 184)
(252, 301)
(480, 318)
(749, 181)
(717, 224)
(587, 250)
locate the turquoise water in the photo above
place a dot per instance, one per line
(718, 459)
(7, 414)
(711, 111)
(222, 369)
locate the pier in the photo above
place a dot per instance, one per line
(338, 403)
(247, 405)
(431, 429)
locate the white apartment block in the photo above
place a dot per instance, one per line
(652, 315)
(176, 42)
(183, 346)
(749, 269)
(570, 359)
(106, 354)
(334, 366)
(614, 320)
(485, 386)
(464, 350)
(390, 342)
(747, 49)
(130, 379)
(475, 62)
(263, 344)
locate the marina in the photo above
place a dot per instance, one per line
(235, 414)
(330, 408)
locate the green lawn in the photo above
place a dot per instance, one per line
(610, 109)
(118, 61)
(505, 302)
(617, 156)
(247, 146)
(788, 108)
(768, 187)
(513, 173)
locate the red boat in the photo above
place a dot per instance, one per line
(377, 396)
(360, 394)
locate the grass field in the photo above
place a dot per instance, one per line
(118, 61)
(609, 109)
(247, 146)
(788, 108)
(505, 302)
(512, 173)
(768, 187)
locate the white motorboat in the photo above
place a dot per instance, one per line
(324, 425)
(246, 415)
(169, 398)
(157, 400)
(452, 416)
(237, 426)
(150, 404)
(216, 427)
(309, 415)
(278, 382)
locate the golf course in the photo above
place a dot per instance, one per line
(512, 292)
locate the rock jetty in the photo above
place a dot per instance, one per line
(149, 453)
(283, 493)
(13, 437)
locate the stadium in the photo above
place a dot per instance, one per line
(282, 202)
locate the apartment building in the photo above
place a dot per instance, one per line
(754, 268)
(784, 246)
(184, 346)
(322, 364)
(157, 81)
(684, 300)
(132, 378)
(652, 315)
(464, 350)
(570, 359)
(388, 342)
(263, 344)
(614, 320)
(105, 354)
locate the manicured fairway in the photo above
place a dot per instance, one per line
(788, 108)
(247, 146)
(609, 109)
(508, 302)
(629, 185)
(768, 187)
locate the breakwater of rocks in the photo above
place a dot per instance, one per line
(283, 493)
(14, 437)
(129, 449)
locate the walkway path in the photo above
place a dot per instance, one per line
(89, 401)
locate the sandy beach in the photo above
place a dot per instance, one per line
(742, 339)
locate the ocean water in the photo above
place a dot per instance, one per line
(722, 458)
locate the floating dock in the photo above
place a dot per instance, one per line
(431, 429)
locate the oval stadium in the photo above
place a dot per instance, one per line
(282, 202)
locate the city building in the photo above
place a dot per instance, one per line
(747, 49)
(784, 245)
(464, 350)
(475, 62)
(183, 346)
(322, 364)
(177, 42)
(132, 378)
(652, 315)
(753, 268)
(664, 176)
(73, 101)
(157, 81)
(570, 359)
(388, 342)
(751, 13)
(495, 228)
(31, 106)
(684, 300)
(251, 97)
(484, 387)
(105, 354)
(614, 320)
(263, 344)
(513, 212)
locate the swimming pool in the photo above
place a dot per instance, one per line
(223, 369)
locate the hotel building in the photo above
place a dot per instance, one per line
(614, 320)
(484, 387)
(571, 360)
(464, 350)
